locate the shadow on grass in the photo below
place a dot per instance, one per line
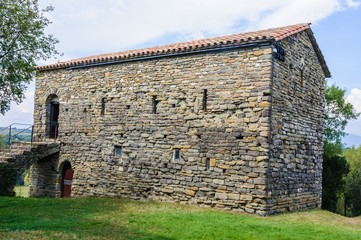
(37, 218)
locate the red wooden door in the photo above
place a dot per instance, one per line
(68, 178)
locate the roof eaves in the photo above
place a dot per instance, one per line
(241, 39)
(131, 55)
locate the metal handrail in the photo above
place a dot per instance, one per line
(23, 131)
(24, 124)
(9, 136)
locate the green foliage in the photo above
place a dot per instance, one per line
(353, 157)
(335, 168)
(339, 206)
(104, 218)
(353, 179)
(353, 190)
(22, 42)
(338, 113)
(7, 178)
(2, 143)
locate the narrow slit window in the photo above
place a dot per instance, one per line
(176, 154)
(205, 96)
(103, 106)
(154, 104)
(207, 164)
(302, 78)
(118, 151)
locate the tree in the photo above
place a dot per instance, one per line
(353, 179)
(353, 157)
(22, 42)
(338, 113)
(353, 189)
(335, 166)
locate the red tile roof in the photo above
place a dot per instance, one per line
(275, 34)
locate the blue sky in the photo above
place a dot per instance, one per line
(87, 27)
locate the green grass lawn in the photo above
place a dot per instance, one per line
(104, 218)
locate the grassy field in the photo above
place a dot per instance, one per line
(96, 218)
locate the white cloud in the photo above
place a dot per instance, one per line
(351, 3)
(86, 27)
(301, 11)
(91, 27)
(354, 126)
(21, 113)
(28, 104)
(355, 98)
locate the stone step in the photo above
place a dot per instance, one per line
(3, 159)
(13, 153)
(16, 151)
(21, 149)
(7, 154)
(21, 144)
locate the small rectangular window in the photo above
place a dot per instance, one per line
(118, 151)
(154, 104)
(176, 154)
(207, 164)
(205, 96)
(103, 106)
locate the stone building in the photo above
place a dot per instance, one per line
(232, 122)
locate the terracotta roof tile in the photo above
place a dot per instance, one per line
(228, 40)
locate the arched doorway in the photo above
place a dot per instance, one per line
(67, 179)
(53, 103)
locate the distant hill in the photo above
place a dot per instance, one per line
(352, 139)
(17, 134)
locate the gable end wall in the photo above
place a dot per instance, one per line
(295, 173)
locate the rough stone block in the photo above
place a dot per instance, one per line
(189, 192)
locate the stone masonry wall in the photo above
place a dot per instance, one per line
(295, 172)
(20, 156)
(107, 106)
(44, 177)
(260, 133)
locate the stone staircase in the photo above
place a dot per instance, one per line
(14, 160)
